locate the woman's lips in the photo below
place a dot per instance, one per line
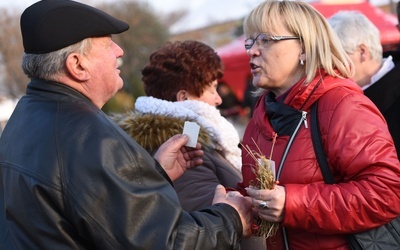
(254, 68)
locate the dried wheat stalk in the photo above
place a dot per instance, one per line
(265, 180)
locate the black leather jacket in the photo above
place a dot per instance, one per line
(70, 178)
(385, 94)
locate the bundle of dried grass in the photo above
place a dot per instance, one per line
(265, 180)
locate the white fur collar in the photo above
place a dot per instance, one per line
(222, 132)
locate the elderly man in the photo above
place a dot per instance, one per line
(69, 177)
(376, 73)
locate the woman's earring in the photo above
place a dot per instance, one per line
(301, 62)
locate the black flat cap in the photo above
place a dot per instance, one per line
(50, 25)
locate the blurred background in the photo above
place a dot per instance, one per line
(152, 22)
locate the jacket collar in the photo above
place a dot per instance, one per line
(55, 90)
(223, 134)
(302, 96)
(385, 92)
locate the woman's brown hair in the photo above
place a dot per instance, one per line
(188, 65)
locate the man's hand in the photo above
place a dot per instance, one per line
(240, 203)
(175, 158)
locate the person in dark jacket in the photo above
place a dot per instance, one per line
(376, 73)
(398, 21)
(70, 178)
(180, 81)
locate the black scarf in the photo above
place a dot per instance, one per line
(283, 118)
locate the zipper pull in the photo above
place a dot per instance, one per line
(304, 115)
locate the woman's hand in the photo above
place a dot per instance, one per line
(270, 203)
(176, 158)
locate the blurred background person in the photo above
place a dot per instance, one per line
(377, 75)
(297, 59)
(250, 97)
(230, 107)
(180, 81)
(398, 19)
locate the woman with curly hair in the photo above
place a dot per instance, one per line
(180, 81)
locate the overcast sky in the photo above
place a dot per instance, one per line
(161, 4)
(200, 12)
(166, 4)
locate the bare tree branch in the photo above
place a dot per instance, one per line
(11, 51)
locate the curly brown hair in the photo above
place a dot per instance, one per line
(188, 65)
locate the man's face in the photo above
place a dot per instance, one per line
(103, 68)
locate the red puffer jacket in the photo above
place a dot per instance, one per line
(361, 155)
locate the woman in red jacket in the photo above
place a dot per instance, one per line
(296, 59)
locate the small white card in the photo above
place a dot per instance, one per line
(272, 165)
(191, 129)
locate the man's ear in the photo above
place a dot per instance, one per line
(181, 95)
(364, 52)
(75, 65)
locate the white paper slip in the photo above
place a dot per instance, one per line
(192, 130)
(271, 165)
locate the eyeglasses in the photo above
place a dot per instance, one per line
(263, 39)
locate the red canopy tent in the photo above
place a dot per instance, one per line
(385, 22)
(236, 60)
(237, 69)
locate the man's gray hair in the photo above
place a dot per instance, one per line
(48, 66)
(354, 29)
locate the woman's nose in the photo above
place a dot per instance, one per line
(218, 100)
